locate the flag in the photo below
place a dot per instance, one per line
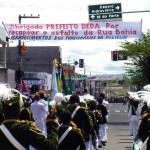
(59, 84)
(71, 88)
(64, 85)
(23, 48)
(23, 86)
(54, 81)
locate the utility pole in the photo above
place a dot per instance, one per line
(90, 85)
(84, 67)
(19, 59)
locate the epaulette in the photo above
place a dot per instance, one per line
(148, 119)
(145, 115)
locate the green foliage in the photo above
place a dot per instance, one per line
(138, 52)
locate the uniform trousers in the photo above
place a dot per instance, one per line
(102, 133)
(41, 125)
(134, 124)
(89, 144)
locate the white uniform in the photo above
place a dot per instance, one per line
(138, 112)
(45, 103)
(39, 112)
(129, 119)
(106, 104)
(134, 122)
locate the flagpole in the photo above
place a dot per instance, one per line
(54, 88)
(52, 76)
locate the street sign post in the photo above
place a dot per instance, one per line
(105, 12)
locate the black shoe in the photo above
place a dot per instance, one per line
(103, 143)
(100, 146)
(131, 134)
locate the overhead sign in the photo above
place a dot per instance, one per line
(105, 12)
(82, 31)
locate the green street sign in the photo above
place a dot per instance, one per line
(105, 12)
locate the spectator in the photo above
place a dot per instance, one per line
(39, 112)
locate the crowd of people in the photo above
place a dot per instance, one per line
(70, 122)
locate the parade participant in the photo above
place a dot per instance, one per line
(39, 112)
(129, 115)
(1, 118)
(26, 113)
(87, 95)
(105, 102)
(69, 134)
(93, 113)
(80, 117)
(102, 124)
(142, 138)
(143, 133)
(45, 103)
(15, 134)
(138, 112)
(134, 119)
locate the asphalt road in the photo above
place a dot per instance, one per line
(118, 132)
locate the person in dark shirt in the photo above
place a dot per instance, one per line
(102, 123)
(81, 117)
(25, 132)
(26, 113)
(74, 136)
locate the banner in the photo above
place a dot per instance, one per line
(105, 77)
(83, 31)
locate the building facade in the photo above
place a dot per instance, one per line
(36, 59)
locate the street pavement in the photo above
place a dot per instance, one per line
(118, 131)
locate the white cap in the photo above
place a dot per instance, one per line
(58, 97)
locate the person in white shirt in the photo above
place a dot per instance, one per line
(45, 103)
(39, 112)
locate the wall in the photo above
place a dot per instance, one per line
(36, 59)
(7, 76)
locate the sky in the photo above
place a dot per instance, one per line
(96, 53)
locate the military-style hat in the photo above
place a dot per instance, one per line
(11, 100)
(147, 87)
(134, 96)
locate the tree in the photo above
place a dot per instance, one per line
(138, 52)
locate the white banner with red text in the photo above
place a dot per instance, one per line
(81, 31)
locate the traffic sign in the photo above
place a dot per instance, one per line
(118, 55)
(121, 56)
(105, 12)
